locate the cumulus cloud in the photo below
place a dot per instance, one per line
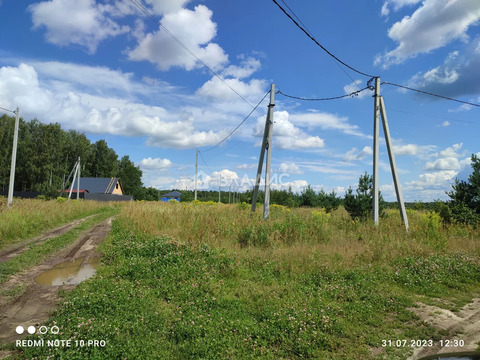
(155, 164)
(195, 29)
(458, 75)
(55, 100)
(287, 135)
(215, 89)
(431, 26)
(439, 174)
(247, 68)
(80, 22)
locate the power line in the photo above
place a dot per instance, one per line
(12, 111)
(154, 19)
(320, 45)
(352, 94)
(305, 26)
(204, 161)
(245, 119)
(431, 94)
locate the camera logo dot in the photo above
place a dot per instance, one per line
(42, 330)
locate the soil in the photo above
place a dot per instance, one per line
(16, 249)
(35, 304)
(460, 325)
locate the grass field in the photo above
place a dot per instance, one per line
(206, 281)
(29, 217)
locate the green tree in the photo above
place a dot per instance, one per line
(130, 176)
(360, 205)
(464, 206)
(309, 197)
(104, 161)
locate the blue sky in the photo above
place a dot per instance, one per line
(106, 69)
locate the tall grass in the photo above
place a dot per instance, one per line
(29, 217)
(302, 237)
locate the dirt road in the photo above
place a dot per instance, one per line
(36, 302)
(462, 325)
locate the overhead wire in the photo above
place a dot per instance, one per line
(4, 109)
(320, 45)
(305, 26)
(352, 94)
(431, 94)
(156, 21)
(204, 161)
(241, 123)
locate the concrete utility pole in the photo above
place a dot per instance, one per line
(219, 187)
(78, 180)
(76, 172)
(376, 125)
(379, 110)
(196, 173)
(266, 146)
(14, 158)
(393, 165)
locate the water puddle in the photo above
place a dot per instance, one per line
(69, 272)
(454, 356)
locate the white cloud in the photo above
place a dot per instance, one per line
(431, 26)
(155, 164)
(412, 149)
(166, 6)
(439, 174)
(355, 155)
(20, 87)
(217, 90)
(247, 68)
(289, 168)
(458, 75)
(286, 135)
(396, 5)
(326, 121)
(446, 123)
(356, 86)
(194, 29)
(79, 22)
(55, 100)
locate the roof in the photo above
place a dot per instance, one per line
(172, 194)
(97, 185)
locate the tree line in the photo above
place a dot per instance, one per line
(46, 155)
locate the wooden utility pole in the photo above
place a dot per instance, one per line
(14, 158)
(266, 146)
(196, 173)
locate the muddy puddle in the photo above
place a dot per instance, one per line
(69, 272)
